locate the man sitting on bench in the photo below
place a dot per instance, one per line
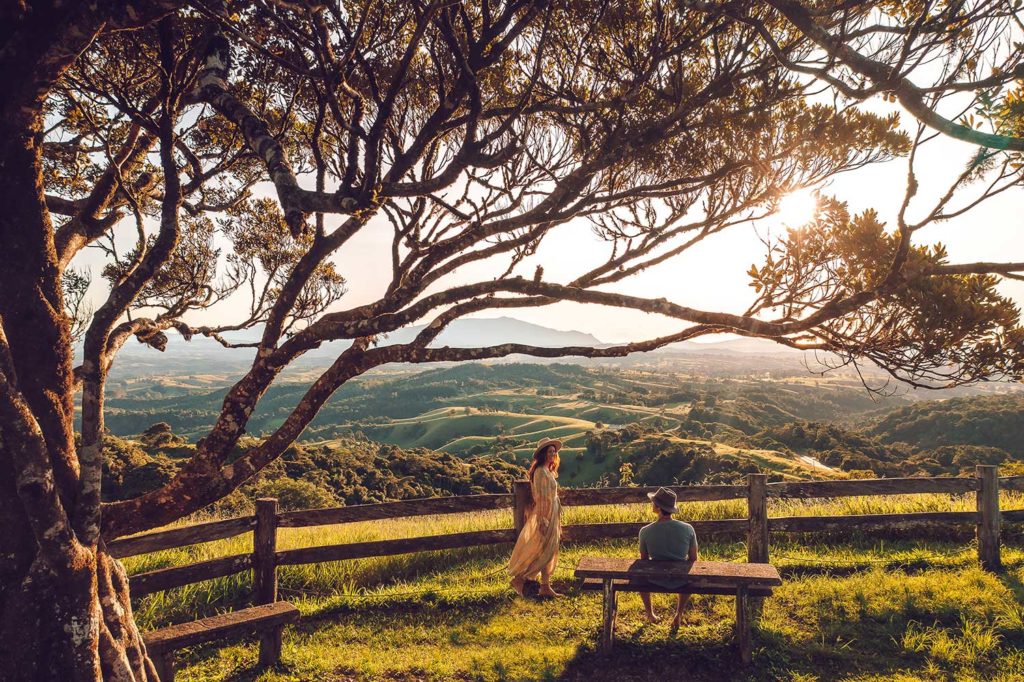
(667, 540)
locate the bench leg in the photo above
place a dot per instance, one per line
(164, 664)
(743, 624)
(608, 624)
(270, 646)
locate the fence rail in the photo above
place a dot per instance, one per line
(181, 537)
(1012, 483)
(360, 550)
(756, 527)
(176, 576)
(392, 510)
(872, 486)
(581, 497)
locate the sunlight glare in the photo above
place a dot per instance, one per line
(798, 208)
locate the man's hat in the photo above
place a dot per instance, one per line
(544, 442)
(665, 499)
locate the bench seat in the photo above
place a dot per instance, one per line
(267, 619)
(596, 585)
(611, 575)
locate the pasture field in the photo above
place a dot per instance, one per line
(852, 607)
(462, 430)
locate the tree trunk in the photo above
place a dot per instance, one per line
(45, 612)
(45, 607)
(64, 604)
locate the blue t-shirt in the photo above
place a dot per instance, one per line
(667, 541)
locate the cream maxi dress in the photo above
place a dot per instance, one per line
(536, 550)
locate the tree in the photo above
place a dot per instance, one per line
(212, 150)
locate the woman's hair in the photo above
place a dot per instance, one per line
(541, 458)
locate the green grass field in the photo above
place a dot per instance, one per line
(460, 429)
(851, 608)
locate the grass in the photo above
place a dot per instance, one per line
(851, 608)
(448, 428)
(463, 427)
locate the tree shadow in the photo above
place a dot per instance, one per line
(775, 657)
(837, 638)
(631, 660)
(1013, 584)
(1017, 588)
(864, 647)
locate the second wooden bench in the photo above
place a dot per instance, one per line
(267, 619)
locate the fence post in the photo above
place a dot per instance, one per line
(757, 518)
(264, 560)
(522, 498)
(988, 517)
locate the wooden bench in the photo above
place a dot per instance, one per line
(268, 619)
(743, 581)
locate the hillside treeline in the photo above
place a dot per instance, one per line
(345, 471)
(930, 438)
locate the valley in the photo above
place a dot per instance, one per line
(472, 428)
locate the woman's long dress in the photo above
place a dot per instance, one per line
(536, 550)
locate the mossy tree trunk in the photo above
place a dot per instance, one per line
(65, 612)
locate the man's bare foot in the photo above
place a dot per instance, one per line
(546, 591)
(652, 617)
(517, 585)
(674, 625)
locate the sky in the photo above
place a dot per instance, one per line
(710, 276)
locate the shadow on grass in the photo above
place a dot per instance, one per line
(428, 600)
(904, 566)
(633, 661)
(815, 630)
(634, 658)
(1012, 583)
(1014, 636)
(775, 657)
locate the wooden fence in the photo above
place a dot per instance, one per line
(757, 525)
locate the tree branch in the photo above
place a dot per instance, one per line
(888, 79)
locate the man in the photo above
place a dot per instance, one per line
(666, 540)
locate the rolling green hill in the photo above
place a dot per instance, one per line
(598, 395)
(619, 425)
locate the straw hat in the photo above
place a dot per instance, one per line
(544, 442)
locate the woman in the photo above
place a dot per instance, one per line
(536, 550)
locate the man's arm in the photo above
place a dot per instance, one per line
(692, 556)
(643, 549)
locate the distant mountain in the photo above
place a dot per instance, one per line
(740, 345)
(471, 332)
(464, 333)
(205, 355)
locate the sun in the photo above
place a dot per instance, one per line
(797, 208)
